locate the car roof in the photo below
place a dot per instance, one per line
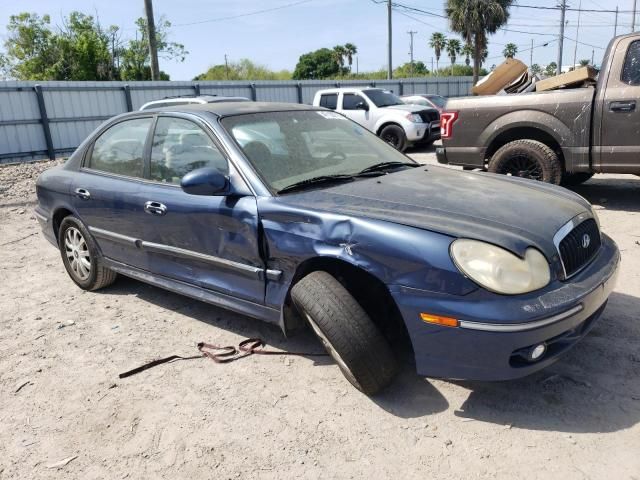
(348, 89)
(223, 109)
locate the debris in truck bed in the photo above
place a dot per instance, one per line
(504, 74)
(575, 78)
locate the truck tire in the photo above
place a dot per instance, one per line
(573, 179)
(527, 159)
(346, 331)
(80, 256)
(395, 136)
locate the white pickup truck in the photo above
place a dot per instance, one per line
(384, 113)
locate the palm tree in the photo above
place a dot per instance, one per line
(453, 49)
(510, 50)
(338, 55)
(584, 62)
(475, 20)
(438, 42)
(467, 52)
(350, 50)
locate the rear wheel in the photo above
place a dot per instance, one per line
(346, 331)
(80, 256)
(395, 136)
(527, 159)
(573, 179)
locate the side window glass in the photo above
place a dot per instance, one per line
(120, 149)
(350, 100)
(631, 69)
(329, 101)
(180, 146)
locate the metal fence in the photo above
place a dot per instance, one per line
(45, 119)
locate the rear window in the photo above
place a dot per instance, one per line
(329, 100)
(631, 69)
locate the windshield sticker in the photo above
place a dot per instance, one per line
(331, 115)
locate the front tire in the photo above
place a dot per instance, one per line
(346, 331)
(80, 256)
(527, 159)
(395, 136)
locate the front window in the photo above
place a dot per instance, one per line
(286, 148)
(631, 69)
(382, 98)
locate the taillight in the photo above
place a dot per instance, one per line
(447, 119)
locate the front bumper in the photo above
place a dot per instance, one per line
(423, 132)
(495, 330)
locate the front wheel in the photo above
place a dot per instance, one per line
(527, 159)
(80, 256)
(395, 136)
(346, 331)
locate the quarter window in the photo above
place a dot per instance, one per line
(180, 146)
(350, 100)
(329, 101)
(120, 149)
(631, 69)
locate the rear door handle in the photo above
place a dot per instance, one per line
(83, 193)
(155, 208)
(625, 106)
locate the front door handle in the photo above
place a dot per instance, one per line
(155, 208)
(625, 106)
(83, 193)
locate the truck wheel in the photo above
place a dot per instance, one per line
(394, 135)
(80, 256)
(346, 331)
(573, 179)
(527, 159)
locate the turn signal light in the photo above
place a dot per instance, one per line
(438, 320)
(447, 119)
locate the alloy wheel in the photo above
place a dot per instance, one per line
(77, 253)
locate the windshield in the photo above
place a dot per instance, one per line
(286, 148)
(437, 100)
(382, 98)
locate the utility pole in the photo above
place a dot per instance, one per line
(226, 66)
(531, 58)
(411, 34)
(615, 28)
(151, 35)
(431, 65)
(357, 69)
(593, 52)
(633, 17)
(563, 10)
(575, 50)
(389, 43)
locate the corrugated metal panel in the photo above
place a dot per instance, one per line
(74, 109)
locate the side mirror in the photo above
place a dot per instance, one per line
(362, 106)
(205, 181)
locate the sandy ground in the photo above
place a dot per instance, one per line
(65, 414)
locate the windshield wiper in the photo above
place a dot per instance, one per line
(316, 180)
(387, 165)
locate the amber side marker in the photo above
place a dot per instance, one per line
(438, 320)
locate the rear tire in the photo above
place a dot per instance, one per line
(80, 256)
(395, 136)
(573, 179)
(527, 159)
(346, 331)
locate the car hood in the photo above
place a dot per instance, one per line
(509, 212)
(407, 108)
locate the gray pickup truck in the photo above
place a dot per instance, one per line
(560, 136)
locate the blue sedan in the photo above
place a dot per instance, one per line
(300, 217)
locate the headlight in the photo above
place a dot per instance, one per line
(414, 117)
(499, 270)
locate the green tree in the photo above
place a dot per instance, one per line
(453, 50)
(475, 20)
(317, 65)
(84, 49)
(418, 69)
(536, 69)
(244, 69)
(584, 62)
(135, 56)
(338, 56)
(551, 69)
(467, 52)
(438, 42)
(350, 50)
(510, 50)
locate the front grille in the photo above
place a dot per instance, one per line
(429, 116)
(579, 246)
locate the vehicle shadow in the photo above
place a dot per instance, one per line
(621, 193)
(594, 388)
(409, 396)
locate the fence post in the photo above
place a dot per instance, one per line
(254, 93)
(127, 97)
(44, 119)
(299, 86)
(196, 89)
(401, 88)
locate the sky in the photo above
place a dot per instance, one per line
(209, 29)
